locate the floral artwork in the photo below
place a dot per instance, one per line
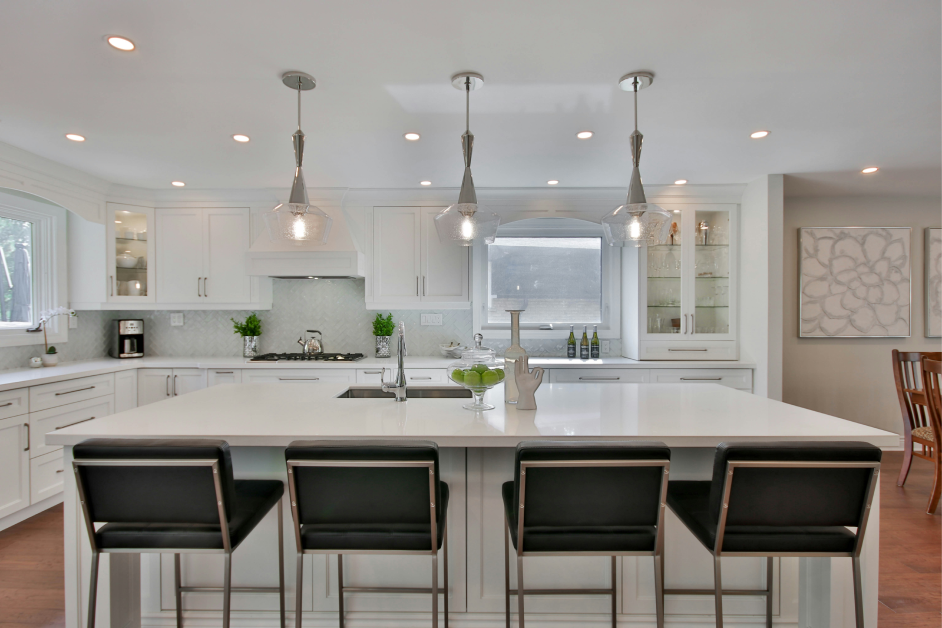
(933, 283)
(855, 281)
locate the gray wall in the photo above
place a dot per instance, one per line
(851, 377)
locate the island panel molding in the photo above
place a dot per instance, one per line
(933, 275)
(855, 282)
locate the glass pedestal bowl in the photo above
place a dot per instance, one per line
(478, 370)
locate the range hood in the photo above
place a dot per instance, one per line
(339, 258)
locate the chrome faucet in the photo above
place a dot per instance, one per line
(400, 384)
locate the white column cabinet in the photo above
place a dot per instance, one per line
(201, 255)
(14, 465)
(411, 267)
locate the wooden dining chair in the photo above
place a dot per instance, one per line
(932, 385)
(917, 426)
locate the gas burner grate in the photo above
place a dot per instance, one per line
(308, 357)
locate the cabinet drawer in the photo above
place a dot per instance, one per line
(375, 376)
(46, 476)
(299, 376)
(599, 376)
(41, 423)
(683, 350)
(427, 376)
(14, 402)
(223, 376)
(734, 378)
(60, 393)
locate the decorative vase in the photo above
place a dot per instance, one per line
(382, 346)
(513, 353)
(249, 346)
(50, 359)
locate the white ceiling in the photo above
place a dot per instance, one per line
(841, 85)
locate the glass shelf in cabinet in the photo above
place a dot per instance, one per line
(712, 246)
(706, 277)
(135, 269)
(131, 240)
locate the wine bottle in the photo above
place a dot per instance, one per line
(595, 350)
(571, 344)
(584, 345)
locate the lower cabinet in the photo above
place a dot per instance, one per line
(125, 390)
(299, 376)
(223, 376)
(732, 378)
(45, 476)
(159, 384)
(14, 464)
(46, 421)
(599, 376)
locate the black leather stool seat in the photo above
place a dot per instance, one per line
(376, 536)
(252, 500)
(690, 501)
(577, 538)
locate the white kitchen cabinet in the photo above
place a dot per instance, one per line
(685, 305)
(159, 384)
(411, 267)
(215, 377)
(46, 421)
(598, 376)
(14, 402)
(56, 394)
(375, 376)
(130, 253)
(740, 379)
(46, 475)
(299, 376)
(14, 465)
(125, 390)
(201, 255)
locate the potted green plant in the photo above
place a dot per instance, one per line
(383, 329)
(50, 357)
(250, 329)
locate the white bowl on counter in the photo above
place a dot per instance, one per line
(452, 351)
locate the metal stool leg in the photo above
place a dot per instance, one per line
(178, 594)
(297, 591)
(507, 571)
(435, 589)
(445, 598)
(340, 585)
(281, 563)
(858, 593)
(93, 590)
(613, 593)
(659, 588)
(718, 586)
(226, 590)
(768, 590)
(520, 590)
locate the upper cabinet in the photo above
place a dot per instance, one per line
(130, 255)
(201, 255)
(411, 268)
(684, 307)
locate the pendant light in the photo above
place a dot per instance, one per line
(297, 221)
(637, 221)
(466, 221)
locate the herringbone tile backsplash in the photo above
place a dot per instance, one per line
(336, 307)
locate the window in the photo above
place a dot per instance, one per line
(559, 271)
(16, 276)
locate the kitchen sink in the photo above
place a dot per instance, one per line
(444, 392)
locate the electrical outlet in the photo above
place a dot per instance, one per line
(73, 322)
(606, 346)
(431, 319)
(176, 319)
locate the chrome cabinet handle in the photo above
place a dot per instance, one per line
(69, 392)
(62, 427)
(546, 327)
(26, 425)
(9, 403)
(298, 379)
(205, 289)
(600, 379)
(224, 372)
(693, 327)
(111, 283)
(701, 379)
(686, 349)
(416, 285)
(418, 378)
(364, 372)
(168, 385)
(199, 291)
(685, 323)
(175, 385)
(423, 286)
(58, 470)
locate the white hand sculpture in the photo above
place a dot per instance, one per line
(527, 383)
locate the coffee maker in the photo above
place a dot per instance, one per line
(127, 339)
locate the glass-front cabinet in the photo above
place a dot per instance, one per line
(685, 304)
(130, 253)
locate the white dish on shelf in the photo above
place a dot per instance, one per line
(125, 260)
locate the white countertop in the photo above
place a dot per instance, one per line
(677, 414)
(18, 378)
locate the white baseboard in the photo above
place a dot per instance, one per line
(900, 447)
(30, 511)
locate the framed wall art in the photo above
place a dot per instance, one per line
(933, 274)
(855, 282)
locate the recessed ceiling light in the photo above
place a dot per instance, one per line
(178, 184)
(676, 211)
(240, 138)
(121, 43)
(75, 137)
(680, 182)
(118, 221)
(425, 183)
(758, 135)
(584, 135)
(870, 170)
(552, 182)
(412, 137)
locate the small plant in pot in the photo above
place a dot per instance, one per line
(51, 357)
(250, 329)
(383, 329)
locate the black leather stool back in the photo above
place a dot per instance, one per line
(383, 495)
(590, 496)
(154, 494)
(783, 496)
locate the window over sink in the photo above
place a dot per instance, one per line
(559, 271)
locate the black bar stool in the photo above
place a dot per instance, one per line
(780, 499)
(585, 499)
(368, 497)
(171, 496)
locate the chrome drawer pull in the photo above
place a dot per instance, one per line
(224, 372)
(372, 372)
(62, 427)
(26, 425)
(298, 379)
(687, 349)
(58, 470)
(420, 378)
(69, 392)
(701, 379)
(600, 379)
(4, 405)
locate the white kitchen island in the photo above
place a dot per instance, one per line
(259, 420)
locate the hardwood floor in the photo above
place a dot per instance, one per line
(31, 578)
